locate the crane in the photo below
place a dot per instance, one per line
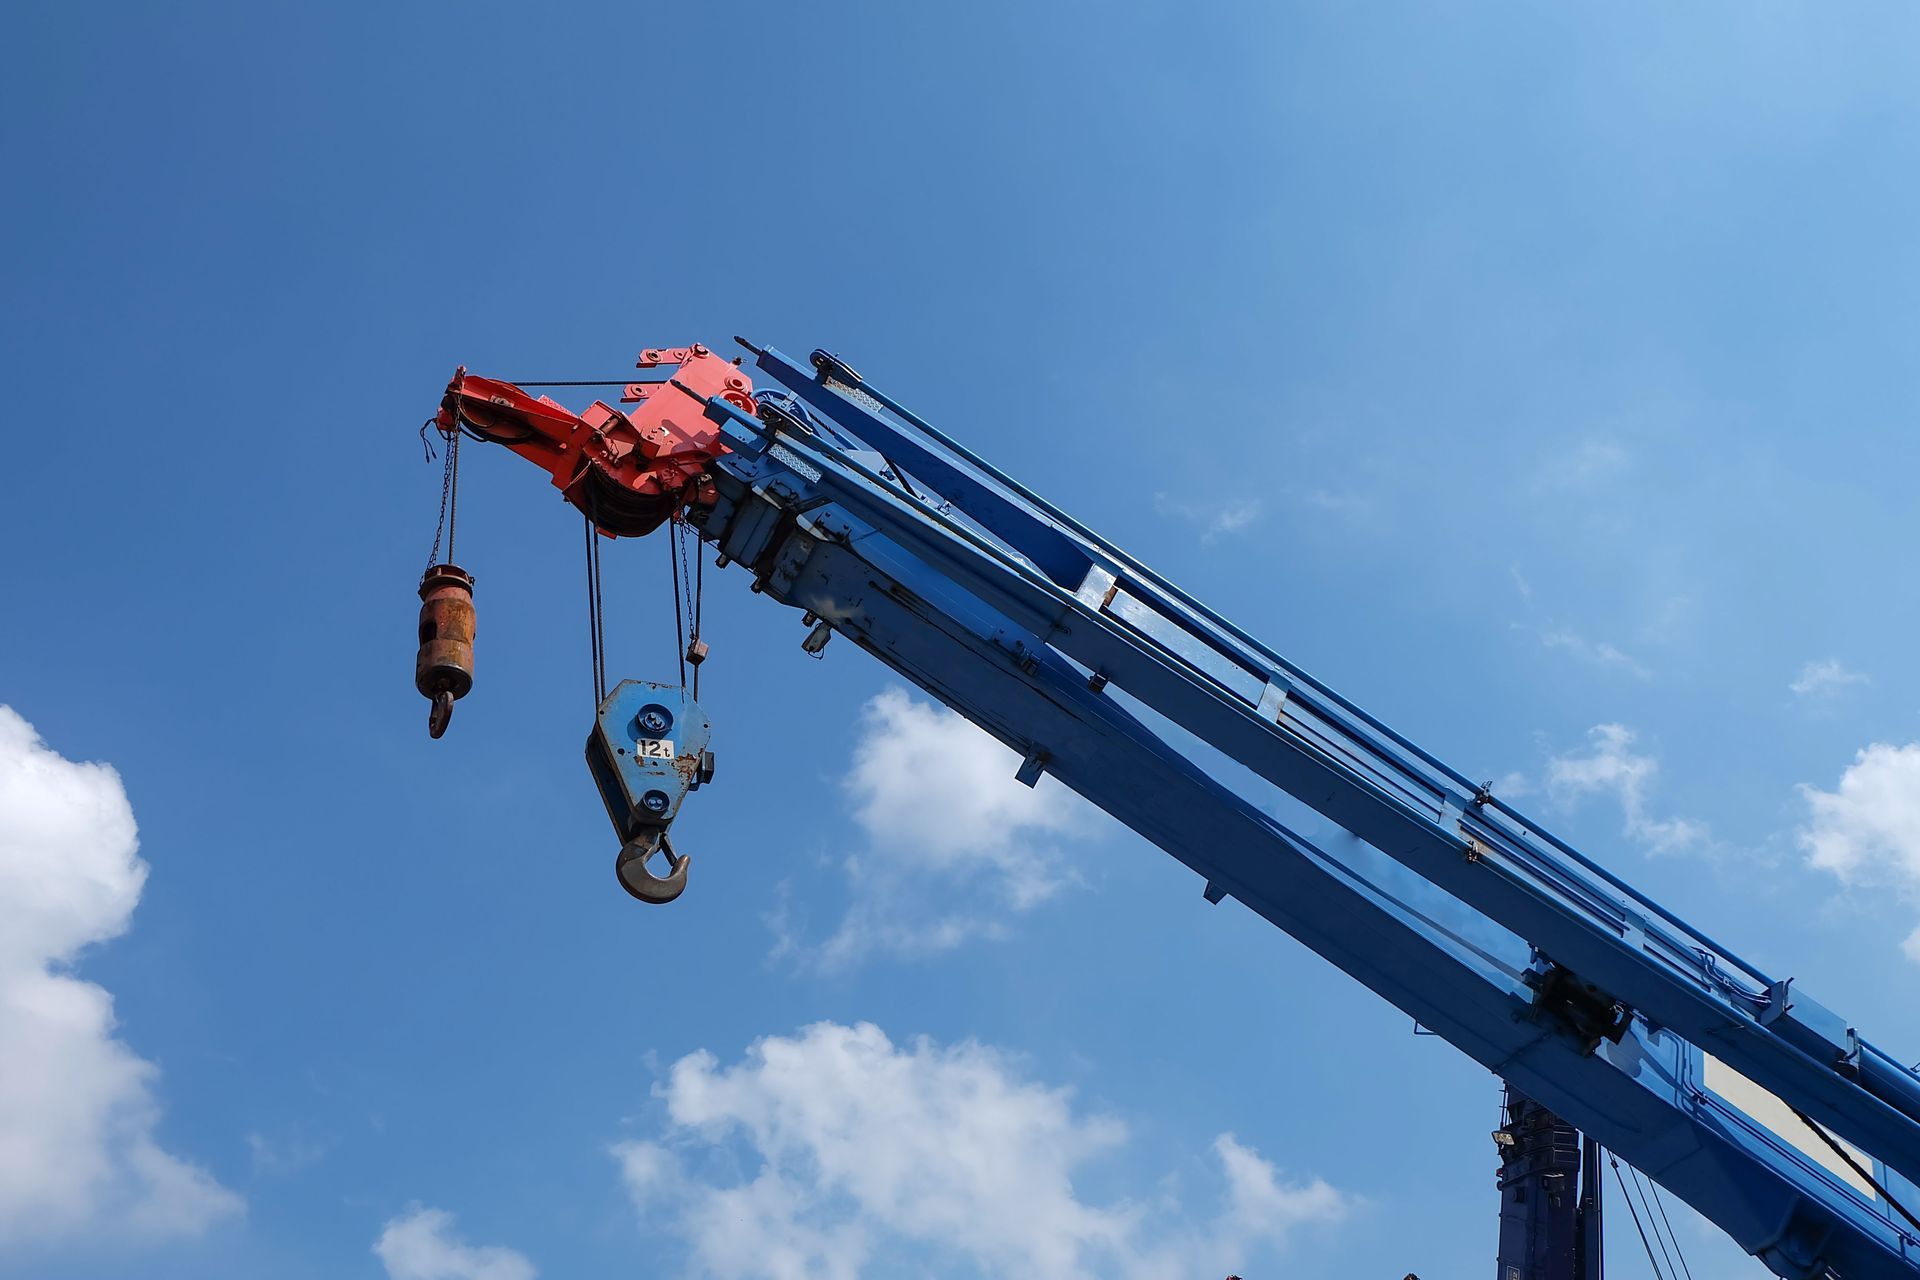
(1614, 1023)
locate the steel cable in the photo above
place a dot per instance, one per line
(1621, 1183)
(1641, 1187)
(1662, 1206)
(596, 615)
(1846, 1155)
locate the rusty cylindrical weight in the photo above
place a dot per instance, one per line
(443, 669)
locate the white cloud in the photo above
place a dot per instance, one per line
(930, 787)
(1613, 768)
(1214, 519)
(1590, 462)
(1597, 653)
(77, 1112)
(1824, 677)
(1259, 1205)
(421, 1245)
(1512, 785)
(278, 1157)
(945, 822)
(1867, 830)
(850, 1149)
(1521, 584)
(1355, 507)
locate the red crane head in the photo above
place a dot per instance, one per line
(629, 471)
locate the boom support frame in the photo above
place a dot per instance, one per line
(1462, 911)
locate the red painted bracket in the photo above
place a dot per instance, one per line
(630, 472)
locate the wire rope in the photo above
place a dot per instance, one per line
(1621, 1183)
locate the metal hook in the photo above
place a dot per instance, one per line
(440, 713)
(636, 879)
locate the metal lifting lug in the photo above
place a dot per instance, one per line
(775, 415)
(832, 367)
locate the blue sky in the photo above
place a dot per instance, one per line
(1541, 378)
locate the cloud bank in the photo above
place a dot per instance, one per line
(77, 1110)
(1866, 830)
(836, 1153)
(1612, 767)
(1823, 678)
(954, 846)
(1214, 518)
(421, 1244)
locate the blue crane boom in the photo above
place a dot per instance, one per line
(1531, 958)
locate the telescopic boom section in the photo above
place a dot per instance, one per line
(1774, 1117)
(629, 471)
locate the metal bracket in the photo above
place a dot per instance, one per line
(1032, 767)
(1097, 588)
(1273, 699)
(1578, 1006)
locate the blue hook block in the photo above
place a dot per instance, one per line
(648, 749)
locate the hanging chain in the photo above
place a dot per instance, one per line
(689, 594)
(699, 601)
(680, 610)
(449, 491)
(689, 557)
